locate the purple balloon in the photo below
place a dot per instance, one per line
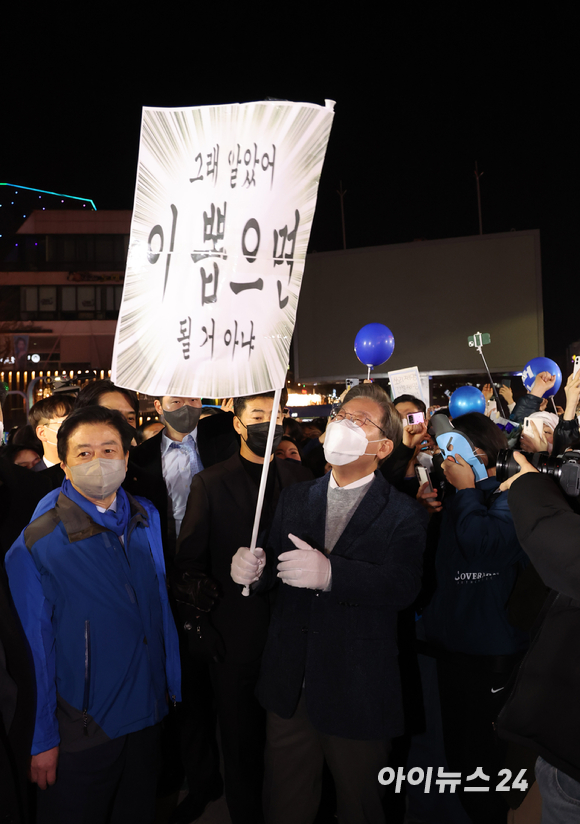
(537, 365)
(466, 399)
(374, 344)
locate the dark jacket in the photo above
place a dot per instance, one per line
(394, 468)
(525, 406)
(20, 492)
(216, 441)
(477, 563)
(343, 643)
(218, 520)
(542, 710)
(17, 710)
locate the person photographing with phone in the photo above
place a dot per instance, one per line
(400, 467)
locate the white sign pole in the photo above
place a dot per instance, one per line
(264, 477)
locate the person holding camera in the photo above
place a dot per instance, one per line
(542, 711)
(466, 624)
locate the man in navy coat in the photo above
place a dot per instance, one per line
(347, 549)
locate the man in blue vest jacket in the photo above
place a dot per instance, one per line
(88, 581)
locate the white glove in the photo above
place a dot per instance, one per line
(247, 566)
(305, 567)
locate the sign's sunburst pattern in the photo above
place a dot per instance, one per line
(224, 203)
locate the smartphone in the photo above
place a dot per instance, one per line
(576, 365)
(415, 417)
(529, 428)
(423, 477)
(506, 382)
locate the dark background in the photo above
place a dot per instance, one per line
(421, 95)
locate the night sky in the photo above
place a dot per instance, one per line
(420, 96)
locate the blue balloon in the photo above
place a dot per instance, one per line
(537, 365)
(374, 344)
(466, 399)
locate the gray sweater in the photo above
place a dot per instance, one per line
(341, 504)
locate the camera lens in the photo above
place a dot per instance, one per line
(506, 465)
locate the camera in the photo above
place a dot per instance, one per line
(565, 469)
(451, 442)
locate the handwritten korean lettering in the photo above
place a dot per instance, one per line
(157, 231)
(214, 227)
(207, 280)
(233, 336)
(251, 161)
(282, 255)
(212, 165)
(184, 336)
(250, 246)
(230, 337)
(209, 337)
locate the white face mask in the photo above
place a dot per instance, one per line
(47, 429)
(345, 442)
(99, 478)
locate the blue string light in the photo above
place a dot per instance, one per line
(46, 192)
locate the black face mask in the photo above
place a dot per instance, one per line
(257, 435)
(183, 420)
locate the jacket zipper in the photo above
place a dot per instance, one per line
(87, 677)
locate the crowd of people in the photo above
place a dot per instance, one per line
(404, 623)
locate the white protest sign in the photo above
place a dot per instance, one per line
(407, 382)
(224, 202)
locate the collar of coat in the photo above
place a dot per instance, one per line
(76, 522)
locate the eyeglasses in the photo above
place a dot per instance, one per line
(340, 415)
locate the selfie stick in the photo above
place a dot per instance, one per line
(495, 392)
(264, 476)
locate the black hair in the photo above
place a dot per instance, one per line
(319, 423)
(292, 441)
(55, 406)
(11, 451)
(412, 399)
(293, 428)
(390, 423)
(483, 434)
(240, 403)
(93, 415)
(26, 435)
(91, 394)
